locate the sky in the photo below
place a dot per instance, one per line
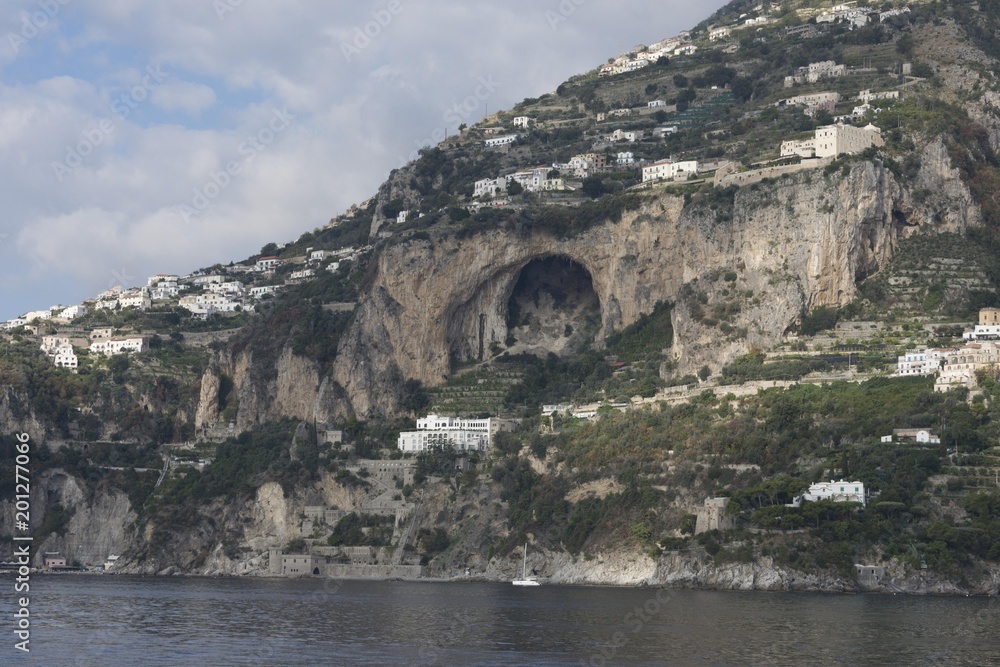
(160, 136)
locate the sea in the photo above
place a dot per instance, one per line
(107, 621)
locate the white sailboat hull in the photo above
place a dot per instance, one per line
(526, 582)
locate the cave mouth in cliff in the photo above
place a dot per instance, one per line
(553, 308)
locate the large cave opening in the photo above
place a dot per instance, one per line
(552, 308)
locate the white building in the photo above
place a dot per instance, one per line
(685, 50)
(838, 492)
(826, 99)
(926, 362)
(834, 140)
(501, 141)
(719, 33)
(840, 139)
(37, 315)
(153, 281)
(522, 121)
(813, 72)
(656, 104)
(438, 431)
(263, 290)
(73, 312)
(230, 287)
(267, 264)
(960, 366)
(666, 170)
(630, 136)
(118, 345)
(401, 217)
(51, 343)
(209, 303)
(110, 293)
(212, 279)
(988, 327)
(627, 157)
(164, 290)
(65, 357)
(135, 299)
(304, 274)
(868, 96)
(316, 256)
(918, 435)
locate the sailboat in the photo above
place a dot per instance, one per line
(525, 580)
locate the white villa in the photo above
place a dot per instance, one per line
(868, 96)
(666, 170)
(522, 121)
(535, 179)
(60, 350)
(73, 312)
(813, 72)
(267, 264)
(118, 345)
(461, 434)
(630, 136)
(37, 315)
(838, 492)
(501, 141)
(65, 357)
(919, 435)
(960, 366)
(834, 140)
(51, 343)
(988, 327)
(719, 33)
(302, 275)
(258, 292)
(135, 299)
(926, 362)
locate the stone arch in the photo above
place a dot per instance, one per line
(481, 324)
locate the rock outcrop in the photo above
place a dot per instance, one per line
(802, 241)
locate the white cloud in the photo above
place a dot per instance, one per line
(353, 120)
(191, 98)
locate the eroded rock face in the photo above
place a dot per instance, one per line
(794, 244)
(753, 263)
(99, 524)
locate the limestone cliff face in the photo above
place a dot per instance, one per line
(234, 537)
(293, 389)
(101, 524)
(802, 242)
(796, 243)
(445, 300)
(17, 416)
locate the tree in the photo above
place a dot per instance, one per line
(514, 188)
(593, 187)
(704, 373)
(680, 81)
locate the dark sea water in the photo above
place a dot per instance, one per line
(117, 620)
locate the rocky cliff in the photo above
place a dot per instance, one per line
(796, 243)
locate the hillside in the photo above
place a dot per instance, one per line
(670, 246)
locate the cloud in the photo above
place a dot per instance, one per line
(191, 98)
(355, 118)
